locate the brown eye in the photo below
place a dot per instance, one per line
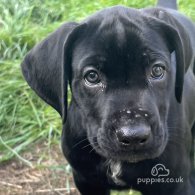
(158, 71)
(92, 77)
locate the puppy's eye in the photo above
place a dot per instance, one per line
(92, 77)
(158, 71)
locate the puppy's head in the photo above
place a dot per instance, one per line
(123, 66)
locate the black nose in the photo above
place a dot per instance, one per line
(137, 135)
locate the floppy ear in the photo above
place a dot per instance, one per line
(44, 67)
(178, 40)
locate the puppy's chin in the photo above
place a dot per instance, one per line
(131, 156)
(111, 151)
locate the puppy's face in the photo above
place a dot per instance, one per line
(121, 79)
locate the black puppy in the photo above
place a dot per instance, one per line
(133, 98)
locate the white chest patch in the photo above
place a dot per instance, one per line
(115, 172)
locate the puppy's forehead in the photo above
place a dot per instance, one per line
(115, 25)
(118, 34)
(111, 30)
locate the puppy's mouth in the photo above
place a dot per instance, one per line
(131, 150)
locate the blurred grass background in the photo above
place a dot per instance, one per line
(24, 118)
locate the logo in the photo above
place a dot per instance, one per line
(160, 175)
(160, 171)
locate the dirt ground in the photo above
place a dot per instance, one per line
(49, 174)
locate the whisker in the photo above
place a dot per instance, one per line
(92, 150)
(89, 145)
(86, 146)
(81, 141)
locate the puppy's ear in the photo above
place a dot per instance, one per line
(178, 40)
(45, 67)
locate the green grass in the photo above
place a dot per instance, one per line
(24, 118)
